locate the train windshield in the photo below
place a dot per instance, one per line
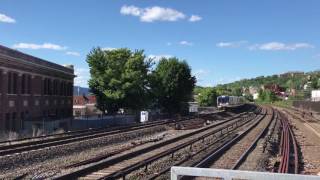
(223, 99)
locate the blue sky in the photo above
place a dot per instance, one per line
(222, 40)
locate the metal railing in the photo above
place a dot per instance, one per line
(234, 174)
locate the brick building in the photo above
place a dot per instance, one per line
(85, 106)
(33, 91)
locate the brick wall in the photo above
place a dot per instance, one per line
(24, 95)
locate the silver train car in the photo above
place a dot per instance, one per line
(229, 101)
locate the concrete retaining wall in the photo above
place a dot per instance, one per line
(307, 105)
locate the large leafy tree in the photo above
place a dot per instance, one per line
(172, 84)
(207, 97)
(119, 78)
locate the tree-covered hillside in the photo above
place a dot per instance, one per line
(294, 80)
(295, 85)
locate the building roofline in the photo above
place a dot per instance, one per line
(20, 55)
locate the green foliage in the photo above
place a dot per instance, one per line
(223, 90)
(249, 97)
(282, 103)
(295, 81)
(267, 96)
(236, 91)
(119, 78)
(207, 96)
(172, 84)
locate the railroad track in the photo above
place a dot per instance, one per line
(233, 159)
(87, 131)
(288, 146)
(28, 144)
(197, 156)
(124, 163)
(77, 133)
(35, 145)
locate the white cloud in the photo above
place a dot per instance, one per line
(185, 43)
(39, 46)
(316, 56)
(108, 48)
(157, 58)
(278, 46)
(131, 10)
(72, 53)
(195, 18)
(83, 75)
(227, 80)
(200, 74)
(6, 19)
(151, 14)
(232, 44)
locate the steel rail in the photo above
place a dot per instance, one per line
(72, 134)
(34, 145)
(41, 137)
(217, 151)
(145, 163)
(18, 148)
(288, 141)
(104, 163)
(254, 143)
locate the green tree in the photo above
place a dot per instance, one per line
(172, 84)
(248, 97)
(207, 97)
(314, 83)
(222, 90)
(119, 78)
(267, 96)
(237, 91)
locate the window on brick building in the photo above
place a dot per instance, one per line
(49, 87)
(1, 83)
(44, 113)
(61, 88)
(22, 118)
(70, 89)
(12, 83)
(45, 86)
(15, 81)
(7, 122)
(64, 89)
(22, 115)
(13, 120)
(29, 84)
(23, 84)
(9, 82)
(55, 87)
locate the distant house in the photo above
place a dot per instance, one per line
(85, 106)
(315, 95)
(291, 74)
(292, 92)
(275, 88)
(253, 90)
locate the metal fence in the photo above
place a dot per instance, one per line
(207, 173)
